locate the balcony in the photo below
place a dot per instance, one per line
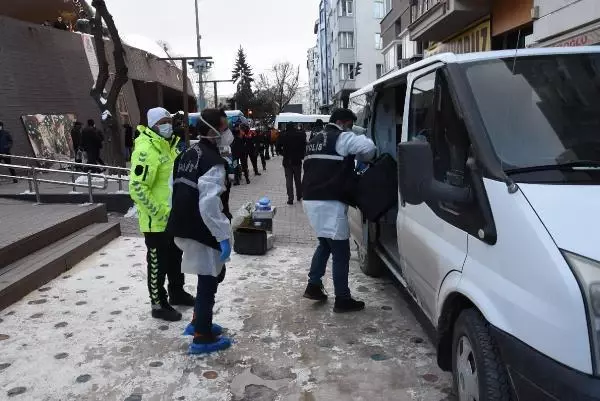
(436, 20)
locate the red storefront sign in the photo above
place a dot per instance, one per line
(585, 39)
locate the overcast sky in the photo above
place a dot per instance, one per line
(269, 30)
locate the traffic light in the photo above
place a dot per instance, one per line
(357, 69)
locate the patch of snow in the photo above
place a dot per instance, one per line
(83, 180)
(131, 213)
(75, 193)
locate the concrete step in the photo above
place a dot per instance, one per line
(33, 271)
(42, 225)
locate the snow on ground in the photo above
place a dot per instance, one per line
(88, 335)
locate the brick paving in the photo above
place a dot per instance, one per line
(291, 225)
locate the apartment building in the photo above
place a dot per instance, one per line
(314, 94)
(464, 26)
(565, 23)
(348, 32)
(398, 50)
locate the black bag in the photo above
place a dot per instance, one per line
(377, 190)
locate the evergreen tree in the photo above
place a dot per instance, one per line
(243, 76)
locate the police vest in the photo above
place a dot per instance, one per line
(327, 174)
(185, 220)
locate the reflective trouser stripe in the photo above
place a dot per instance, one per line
(154, 295)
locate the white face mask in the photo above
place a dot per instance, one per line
(226, 138)
(165, 130)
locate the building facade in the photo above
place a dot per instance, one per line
(314, 94)
(565, 23)
(398, 50)
(464, 26)
(348, 32)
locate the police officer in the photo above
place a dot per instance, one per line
(151, 168)
(328, 190)
(199, 222)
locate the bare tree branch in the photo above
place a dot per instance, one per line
(121, 73)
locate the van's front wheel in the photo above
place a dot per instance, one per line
(479, 373)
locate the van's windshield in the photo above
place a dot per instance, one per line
(541, 111)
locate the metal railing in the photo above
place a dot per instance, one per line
(33, 178)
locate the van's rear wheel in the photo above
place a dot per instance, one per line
(370, 264)
(479, 373)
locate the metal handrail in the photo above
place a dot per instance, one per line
(37, 159)
(119, 170)
(35, 180)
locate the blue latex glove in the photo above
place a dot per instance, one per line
(225, 250)
(360, 166)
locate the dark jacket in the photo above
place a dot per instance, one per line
(292, 144)
(249, 144)
(237, 148)
(129, 136)
(6, 142)
(91, 139)
(185, 220)
(328, 175)
(76, 137)
(60, 25)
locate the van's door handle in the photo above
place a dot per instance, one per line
(448, 208)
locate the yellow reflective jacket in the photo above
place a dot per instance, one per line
(151, 168)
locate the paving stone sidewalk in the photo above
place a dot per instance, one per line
(88, 335)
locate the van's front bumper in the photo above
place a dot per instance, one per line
(536, 377)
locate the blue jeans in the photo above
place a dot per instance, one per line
(340, 250)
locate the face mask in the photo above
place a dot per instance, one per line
(166, 130)
(226, 138)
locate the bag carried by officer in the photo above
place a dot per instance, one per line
(377, 188)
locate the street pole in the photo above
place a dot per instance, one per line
(186, 111)
(184, 70)
(201, 100)
(215, 82)
(216, 96)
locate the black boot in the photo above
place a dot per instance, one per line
(181, 298)
(344, 305)
(166, 312)
(315, 292)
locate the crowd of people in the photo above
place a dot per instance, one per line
(182, 199)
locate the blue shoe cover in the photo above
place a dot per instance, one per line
(221, 344)
(216, 330)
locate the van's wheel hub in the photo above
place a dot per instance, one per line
(468, 381)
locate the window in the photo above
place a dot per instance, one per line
(421, 107)
(389, 60)
(433, 118)
(388, 6)
(346, 8)
(379, 70)
(346, 40)
(346, 71)
(378, 41)
(378, 9)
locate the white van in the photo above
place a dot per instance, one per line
(496, 234)
(306, 120)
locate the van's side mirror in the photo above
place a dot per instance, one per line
(416, 179)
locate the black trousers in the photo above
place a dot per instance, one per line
(242, 168)
(254, 160)
(293, 175)
(6, 160)
(263, 158)
(164, 260)
(205, 302)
